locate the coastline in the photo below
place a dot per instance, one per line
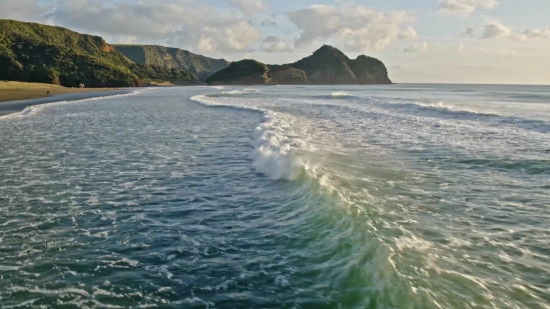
(10, 107)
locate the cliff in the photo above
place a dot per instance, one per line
(328, 66)
(32, 52)
(168, 57)
(244, 72)
(287, 75)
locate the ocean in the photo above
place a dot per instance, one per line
(401, 196)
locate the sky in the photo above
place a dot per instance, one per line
(420, 41)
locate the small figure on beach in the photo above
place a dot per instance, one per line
(48, 93)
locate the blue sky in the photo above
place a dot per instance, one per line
(453, 41)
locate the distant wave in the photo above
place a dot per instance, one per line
(234, 92)
(441, 107)
(530, 124)
(237, 92)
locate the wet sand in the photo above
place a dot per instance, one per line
(19, 105)
(15, 96)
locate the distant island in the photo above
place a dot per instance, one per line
(31, 52)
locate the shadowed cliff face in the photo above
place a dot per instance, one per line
(168, 57)
(244, 72)
(287, 75)
(326, 66)
(329, 65)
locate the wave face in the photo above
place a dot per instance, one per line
(402, 196)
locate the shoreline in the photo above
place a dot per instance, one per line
(15, 106)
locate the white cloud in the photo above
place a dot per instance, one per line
(537, 33)
(408, 34)
(180, 23)
(249, 6)
(357, 28)
(417, 48)
(273, 44)
(496, 30)
(465, 6)
(24, 10)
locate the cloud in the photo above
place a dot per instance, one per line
(496, 30)
(467, 33)
(417, 48)
(537, 33)
(465, 7)
(269, 22)
(178, 23)
(408, 34)
(249, 6)
(273, 44)
(357, 28)
(24, 10)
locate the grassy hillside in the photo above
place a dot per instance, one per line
(287, 75)
(32, 52)
(199, 65)
(329, 65)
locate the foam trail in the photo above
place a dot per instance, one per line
(234, 92)
(340, 94)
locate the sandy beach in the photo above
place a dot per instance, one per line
(16, 96)
(11, 91)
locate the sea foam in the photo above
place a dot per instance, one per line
(275, 151)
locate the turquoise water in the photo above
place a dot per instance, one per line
(402, 196)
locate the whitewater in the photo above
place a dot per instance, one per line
(397, 196)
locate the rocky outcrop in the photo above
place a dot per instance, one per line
(329, 66)
(287, 75)
(244, 72)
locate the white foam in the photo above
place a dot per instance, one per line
(237, 92)
(340, 94)
(234, 92)
(276, 152)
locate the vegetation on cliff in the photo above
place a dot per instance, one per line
(329, 65)
(326, 66)
(32, 52)
(287, 75)
(244, 72)
(151, 74)
(169, 57)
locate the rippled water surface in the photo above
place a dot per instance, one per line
(402, 196)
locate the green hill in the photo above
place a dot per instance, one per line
(32, 52)
(326, 66)
(287, 75)
(244, 72)
(329, 65)
(169, 57)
